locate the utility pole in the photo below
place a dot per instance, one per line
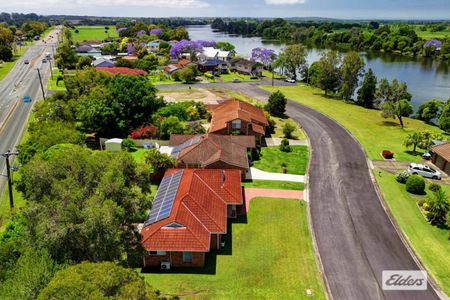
(40, 81)
(8, 172)
(51, 69)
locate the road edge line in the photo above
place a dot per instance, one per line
(8, 115)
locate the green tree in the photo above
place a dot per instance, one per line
(103, 280)
(171, 125)
(29, 276)
(66, 57)
(276, 104)
(82, 204)
(288, 129)
(188, 74)
(429, 110)
(329, 77)
(284, 146)
(439, 206)
(413, 139)
(351, 69)
(194, 127)
(382, 93)
(444, 118)
(159, 162)
(294, 59)
(225, 46)
(6, 53)
(84, 61)
(397, 109)
(366, 94)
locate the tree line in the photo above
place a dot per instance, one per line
(398, 38)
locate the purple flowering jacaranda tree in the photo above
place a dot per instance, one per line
(156, 31)
(263, 55)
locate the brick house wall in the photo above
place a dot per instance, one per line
(441, 163)
(175, 259)
(216, 239)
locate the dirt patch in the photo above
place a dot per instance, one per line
(201, 95)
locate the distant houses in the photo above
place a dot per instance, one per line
(210, 53)
(103, 63)
(245, 66)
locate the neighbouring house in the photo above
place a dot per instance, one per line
(103, 63)
(213, 53)
(189, 216)
(88, 50)
(212, 151)
(237, 117)
(212, 66)
(153, 46)
(441, 157)
(84, 48)
(122, 70)
(245, 66)
(182, 63)
(113, 145)
(434, 43)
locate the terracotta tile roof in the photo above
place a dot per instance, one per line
(122, 70)
(442, 150)
(231, 110)
(184, 62)
(258, 128)
(210, 148)
(200, 207)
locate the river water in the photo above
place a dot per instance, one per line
(426, 78)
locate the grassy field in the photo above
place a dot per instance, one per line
(52, 86)
(430, 243)
(265, 259)
(272, 158)
(7, 66)
(430, 35)
(370, 129)
(158, 80)
(231, 76)
(93, 33)
(275, 184)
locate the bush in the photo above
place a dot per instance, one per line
(425, 206)
(284, 146)
(276, 105)
(434, 187)
(128, 144)
(289, 128)
(145, 132)
(415, 185)
(194, 128)
(388, 154)
(421, 202)
(402, 177)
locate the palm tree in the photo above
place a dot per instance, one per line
(413, 139)
(439, 207)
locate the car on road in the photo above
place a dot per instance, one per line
(26, 61)
(424, 171)
(26, 99)
(290, 80)
(235, 80)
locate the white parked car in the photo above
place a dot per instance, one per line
(290, 80)
(424, 171)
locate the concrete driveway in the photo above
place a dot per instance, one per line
(257, 174)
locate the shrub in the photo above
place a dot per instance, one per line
(276, 105)
(425, 206)
(128, 144)
(415, 185)
(284, 146)
(145, 132)
(388, 154)
(402, 177)
(288, 128)
(194, 127)
(421, 202)
(434, 187)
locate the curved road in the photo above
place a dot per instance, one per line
(355, 237)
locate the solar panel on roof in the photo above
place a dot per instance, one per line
(177, 149)
(163, 202)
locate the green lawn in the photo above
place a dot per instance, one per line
(93, 33)
(266, 259)
(229, 77)
(430, 243)
(275, 184)
(430, 35)
(370, 129)
(52, 86)
(158, 80)
(7, 66)
(138, 155)
(272, 158)
(298, 133)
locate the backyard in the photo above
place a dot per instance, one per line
(263, 259)
(93, 33)
(272, 158)
(367, 125)
(430, 243)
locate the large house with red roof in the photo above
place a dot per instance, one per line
(212, 151)
(189, 216)
(237, 117)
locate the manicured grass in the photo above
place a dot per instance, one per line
(272, 158)
(93, 33)
(52, 86)
(7, 66)
(139, 154)
(370, 129)
(158, 80)
(269, 257)
(298, 133)
(274, 184)
(430, 243)
(231, 76)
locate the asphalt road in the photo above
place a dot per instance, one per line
(21, 81)
(355, 237)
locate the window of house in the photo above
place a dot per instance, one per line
(157, 253)
(236, 124)
(187, 257)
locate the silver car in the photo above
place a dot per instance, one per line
(424, 171)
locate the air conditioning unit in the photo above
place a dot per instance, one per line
(165, 265)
